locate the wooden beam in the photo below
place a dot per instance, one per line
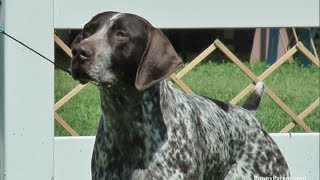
(228, 53)
(242, 94)
(314, 50)
(295, 35)
(307, 53)
(67, 97)
(264, 75)
(304, 114)
(65, 125)
(62, 45)
(283, 106)
(181, 84)
(196, 61)
(278, 63)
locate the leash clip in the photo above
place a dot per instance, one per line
(1, 30)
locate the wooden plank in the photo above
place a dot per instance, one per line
(284, 44)
(295, 35)
(312, 107)
(283, 106)
(180, 83)
(259, 46)
(242, 94)
(62, 45)
(304, 114)
(307, 53)
(264, 75)
(314, 50)
(285, 41)
(278, 63)
(196, 61)
(67, 97)
(65, 125)
(228, 53)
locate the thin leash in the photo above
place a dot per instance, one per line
(41, 55)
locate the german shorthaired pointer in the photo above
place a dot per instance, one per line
(149, 129)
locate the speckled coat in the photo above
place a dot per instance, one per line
(163, 133)
(150, 130)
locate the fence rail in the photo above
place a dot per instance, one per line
(217, 44)
(196, 14)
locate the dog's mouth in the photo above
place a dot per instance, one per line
(107, 84)
(83, 81)
(84, 78)
(80, 75)
(84, 74)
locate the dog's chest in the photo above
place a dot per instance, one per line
(128, 135)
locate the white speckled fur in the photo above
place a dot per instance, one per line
(204, 141)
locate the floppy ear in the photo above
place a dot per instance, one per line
(77, 40)
(159, 61)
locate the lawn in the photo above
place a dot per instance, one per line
(295, 86)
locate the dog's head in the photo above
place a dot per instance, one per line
(115, 48)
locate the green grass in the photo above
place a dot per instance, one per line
(82, 111)
(295, 86)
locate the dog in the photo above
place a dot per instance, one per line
(150, 130)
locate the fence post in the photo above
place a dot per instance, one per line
(26, 91)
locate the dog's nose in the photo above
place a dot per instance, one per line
(82, 51)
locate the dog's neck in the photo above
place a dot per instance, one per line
(124, 98)
(132, 124)
(127, 105)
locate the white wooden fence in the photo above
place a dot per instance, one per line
(28, 148)
(301, 150)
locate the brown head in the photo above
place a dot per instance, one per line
(120, 48)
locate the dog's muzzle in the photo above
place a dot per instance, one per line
(81, 62)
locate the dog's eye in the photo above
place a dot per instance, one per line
(121, 34)
(86, 32)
